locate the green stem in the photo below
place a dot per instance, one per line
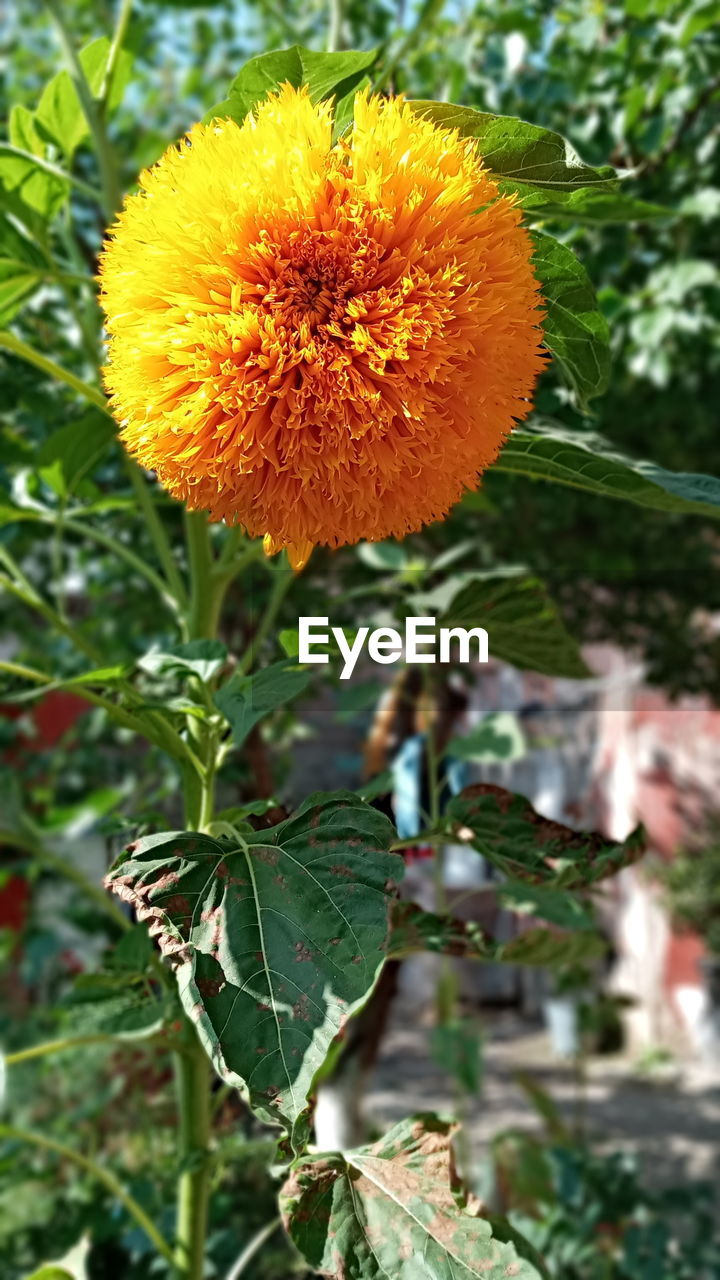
(205, 598)
(54, 1046)
(9, 342)
(10, 1133)
(54, 170)
(119, 549)
(192, 1074)
(156, 528)
(115, 49)
(192, 1068)
(334, 41)
(282, 584)
(92, 111)
(252, 1247)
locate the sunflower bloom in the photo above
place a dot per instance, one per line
(322, 342)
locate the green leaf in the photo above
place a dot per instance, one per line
(389, 1211)
(201, 658)
(245, 700)
(498, 737)
(586, 204)
(505, 829)
(22, 269)
(548, 451)
(523, 155)
(547, 948)
(60, 115)
(414, 930)
(278, 939)
(72, 453)
(26, 190)
(326, 75)
(557, 906)
(574, 330)
(523, 625)
(99, 1008)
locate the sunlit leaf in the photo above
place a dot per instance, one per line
(201, 658)
(391, 1210)
(326, 75)
(59, 113)
(277, 937)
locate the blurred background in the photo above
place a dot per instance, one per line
(590, 1093)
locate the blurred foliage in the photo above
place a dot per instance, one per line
(692, 884)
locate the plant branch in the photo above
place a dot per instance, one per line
(11, 1133)
(254, 1246)
(55, 170)
(9, 342)
(92, 111)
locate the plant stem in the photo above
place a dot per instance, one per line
(54, 1046)
(205, 598)
(335, 26)
(280, 588)
(9, 342)
(192, 1067)
(192, 1074)
(54, 170)
(157, 532)
(252, 1247)
(11, 1133)
(92, 111)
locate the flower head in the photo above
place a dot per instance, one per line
(324, 342)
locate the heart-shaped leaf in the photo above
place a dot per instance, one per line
(277, 936)
(392, 1210)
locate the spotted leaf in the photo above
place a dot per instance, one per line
(277, 938)
(393, 1211)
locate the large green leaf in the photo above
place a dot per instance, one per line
(245, 700)
(542, 168)
(518, 152)
(277, 937)
(573, 329)
(392, 1211)
(549, 451)
(505, 829)
(326, 75)
(523, 625)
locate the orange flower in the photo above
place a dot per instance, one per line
(324, 343)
